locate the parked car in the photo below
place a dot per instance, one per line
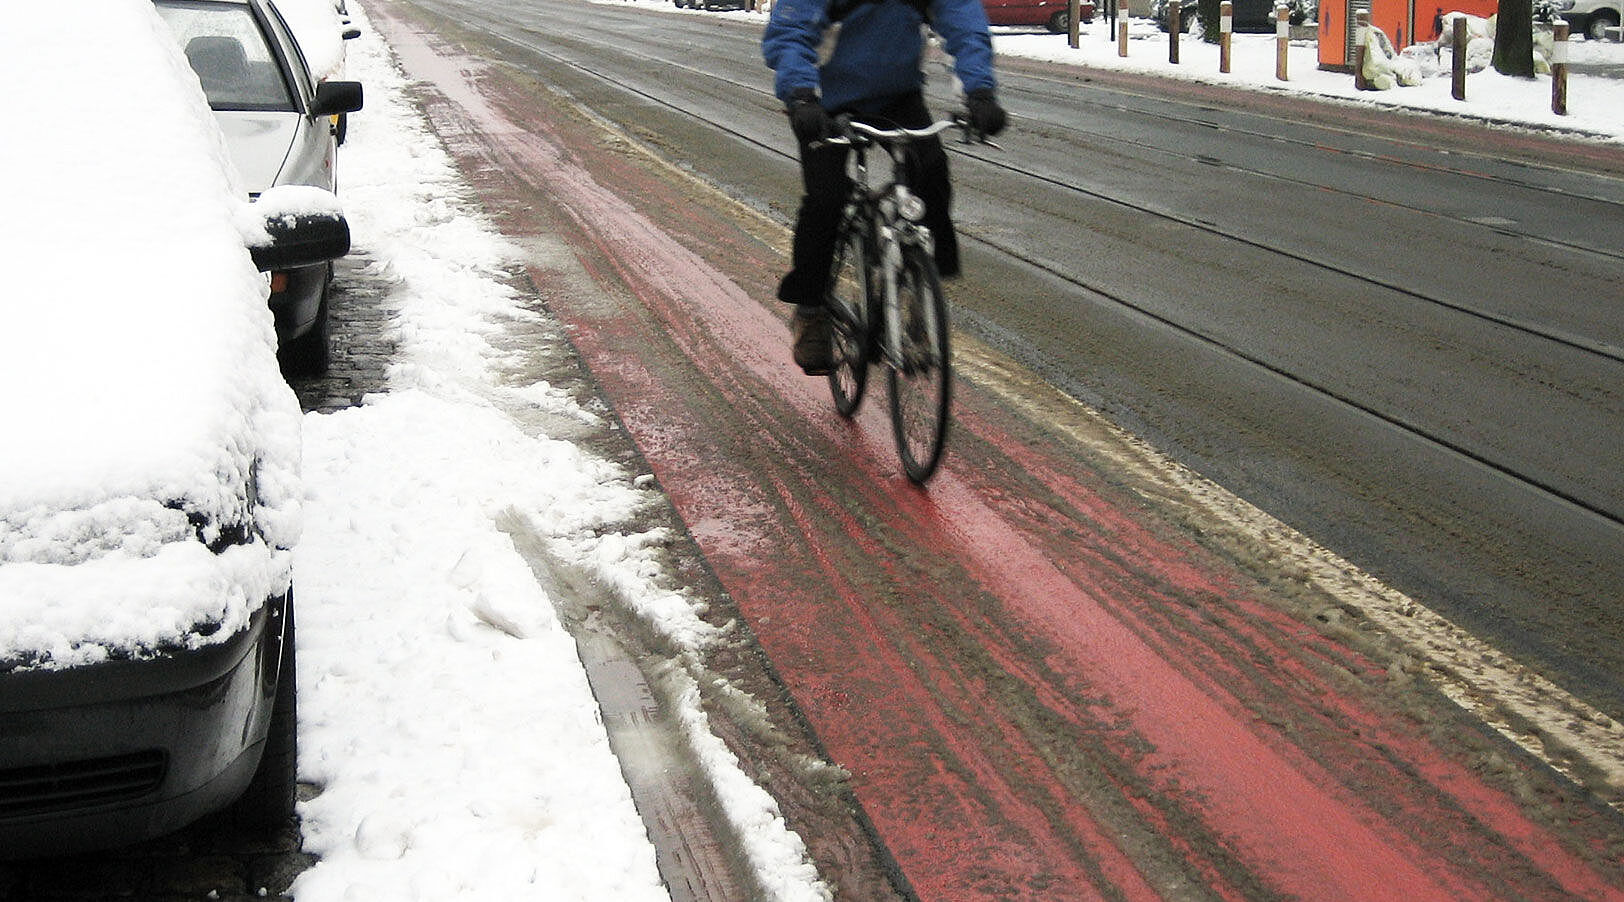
(1250, 15)
(711, 4)
(321, 27)
(1054, 15)
(278, 121)
(149, 490)
(1590, 18)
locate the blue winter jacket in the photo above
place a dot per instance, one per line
(877, 50)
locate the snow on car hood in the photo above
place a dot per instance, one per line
(142, 406)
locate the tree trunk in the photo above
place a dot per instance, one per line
(1514, 38)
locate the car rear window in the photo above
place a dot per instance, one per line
(230, 55)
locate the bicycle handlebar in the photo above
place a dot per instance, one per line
(854, 132)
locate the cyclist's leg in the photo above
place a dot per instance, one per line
(825, 183)
(933, 183)
(928, 174)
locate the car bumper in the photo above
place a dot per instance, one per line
(115, 753)
(296, 308)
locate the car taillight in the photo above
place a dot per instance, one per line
(279, 282)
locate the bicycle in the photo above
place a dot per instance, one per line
(885, 301)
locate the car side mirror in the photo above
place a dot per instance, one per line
(334, 97)
(303, 226)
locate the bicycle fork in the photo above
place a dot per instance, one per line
(891, 241)
(891, 265)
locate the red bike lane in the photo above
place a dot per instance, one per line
(1042, 686)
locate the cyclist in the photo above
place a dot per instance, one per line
(873, 73)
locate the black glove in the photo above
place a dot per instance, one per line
(986, 116)
(807, 118)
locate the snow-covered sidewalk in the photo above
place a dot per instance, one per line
(1595, 104)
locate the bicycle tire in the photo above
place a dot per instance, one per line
(849, 304)
(921, 387)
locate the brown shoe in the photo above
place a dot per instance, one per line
(810, 330)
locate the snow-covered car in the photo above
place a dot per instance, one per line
(280, 124)
(149, 459)
(321, 28)
(1590, 18)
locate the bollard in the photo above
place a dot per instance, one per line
(1362, 34)
(1173, 20)
(1282, 40)
(1559, 70)
(1458, 60)
(1226, 25)
(1122, 28)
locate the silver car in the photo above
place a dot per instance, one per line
(150, 498)
(280, 125)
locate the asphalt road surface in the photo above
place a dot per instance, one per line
(1225, 358)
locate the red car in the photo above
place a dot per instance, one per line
(1054, 15)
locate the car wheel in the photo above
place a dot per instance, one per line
(1596, 28)
(268, 802)
(1060, 22)
(308, 355)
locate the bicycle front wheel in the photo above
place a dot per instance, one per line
(848, 303)
(921, 372)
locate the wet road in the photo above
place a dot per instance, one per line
(1072, 668)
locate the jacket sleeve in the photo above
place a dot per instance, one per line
(963, 27)
(790, 44)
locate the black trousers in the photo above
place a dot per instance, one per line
(826, 185)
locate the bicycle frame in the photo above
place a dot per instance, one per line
(892, 214)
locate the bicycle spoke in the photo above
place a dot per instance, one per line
(921, 382)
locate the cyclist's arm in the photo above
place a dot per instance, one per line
(963, 27)
(790, 44)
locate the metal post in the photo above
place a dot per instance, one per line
(1559, 70)
(1226, 25)
(1362, 32)
(1282, 40)
(1458, 62)
(1122, 28)
(1173, 20)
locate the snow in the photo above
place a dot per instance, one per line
(98, 474)
(318, 27)
(446, 718)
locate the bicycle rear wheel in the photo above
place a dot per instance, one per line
(921, 386)
(849, 307)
